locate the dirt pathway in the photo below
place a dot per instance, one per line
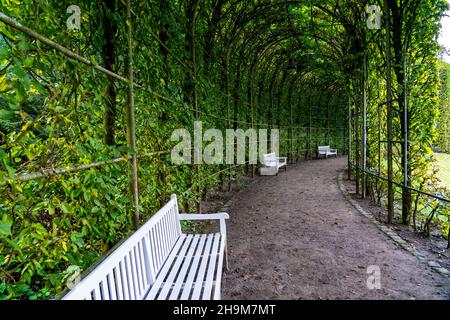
(294, 236)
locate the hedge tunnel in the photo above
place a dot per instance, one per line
(87, 114)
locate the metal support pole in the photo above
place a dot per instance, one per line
(389, 113)
(291, 133)
(197, 114)
(131, 123)
(252, 119)
(405, 133)
(228, 110)
(364, 131)
(357, 128)
(349, 165)
(309, 129)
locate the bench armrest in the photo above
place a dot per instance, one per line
(221, 216)
(210, 216)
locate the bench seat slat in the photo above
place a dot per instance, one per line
(217, 294)
(162, 274)
(211, 268)
(184, 269)
(194, 267)
(202, 270)
(175, 268)
(174, 265)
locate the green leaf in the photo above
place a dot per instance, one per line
(5, 227)
(4, 52)
(66, 208)
(13, 245)
(19, 72)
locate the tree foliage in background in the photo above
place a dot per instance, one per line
(443, 121)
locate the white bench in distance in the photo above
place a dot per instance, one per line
(160, 262)
(273, 164)
(327, 151)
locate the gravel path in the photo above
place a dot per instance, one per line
(294, 236)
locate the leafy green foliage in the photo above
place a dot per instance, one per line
(260, 64)
(443, 121)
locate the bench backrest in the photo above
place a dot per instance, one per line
(324, 149)
(270, 160)
(130, 270)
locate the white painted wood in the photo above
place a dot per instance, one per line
(119, 285)
(199, 280)
(129, 275)
(104, 289)
(145, 281)
(123, 279)
(134, 272)
(209, 216)
(211, 268)
(96, 293)
(271, 162)
(185, 295)
(184, 269)
(165, 269)
(327, 151)
(141, 259)
(218, 278)
(112, 285)
(175, 268)
(224, 250)
(159, 261)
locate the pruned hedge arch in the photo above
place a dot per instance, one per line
(72, 101)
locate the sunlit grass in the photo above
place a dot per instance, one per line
(443, 162)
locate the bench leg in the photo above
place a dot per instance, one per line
(226, 256)
(223, 231)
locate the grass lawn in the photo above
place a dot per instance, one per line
(443, 161)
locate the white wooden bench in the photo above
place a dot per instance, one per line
(273, 164)
(327, 151)
(159, 262)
